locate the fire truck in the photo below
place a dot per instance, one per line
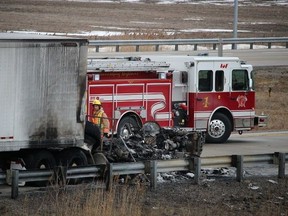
(203, 93)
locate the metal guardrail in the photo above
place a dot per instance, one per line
(193, 164)
(215, 42)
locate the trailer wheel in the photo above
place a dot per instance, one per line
(219, 129)
(41, 159)
(73, 157)
(127, 127)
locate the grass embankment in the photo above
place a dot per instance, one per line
(274, 105)
(217, 198)
(88, 200)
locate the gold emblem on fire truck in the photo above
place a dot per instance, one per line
(205, 103)
(241, 99)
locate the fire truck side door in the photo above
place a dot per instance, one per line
(203, 98)
(212, 91)
(241, 99)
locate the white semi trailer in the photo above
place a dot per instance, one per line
(42, 83)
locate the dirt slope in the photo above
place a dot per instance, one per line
(71, 16)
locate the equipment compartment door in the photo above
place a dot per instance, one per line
(158, 99)
(104, 93)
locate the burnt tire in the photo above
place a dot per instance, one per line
(92, 134)
(219, 129)
(128, 126)
(41, 159)
(72, 157)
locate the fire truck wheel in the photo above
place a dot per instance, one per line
(219, 129)
(127, 127)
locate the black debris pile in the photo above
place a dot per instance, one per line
(165, 144)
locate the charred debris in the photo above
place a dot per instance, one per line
(151, 144)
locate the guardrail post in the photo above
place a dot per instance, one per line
(251, 45)
(97, 48)
(60, 174)
(137, 48)
(195, 166)
(157, 48)
(281, 167)
(109, 177)
(269, 45)
(239, 168)
(220, 48)
(214, 46)
(153, 174)
(234, 46)
(197, 169)
(286, 44)
(117, 48)
(15, 184)
(176, 47)
(237, 161)
(195, 47)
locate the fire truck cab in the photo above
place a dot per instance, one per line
(212, 94)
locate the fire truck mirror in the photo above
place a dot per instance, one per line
(184, 77)
(162, 75)
(250, 84)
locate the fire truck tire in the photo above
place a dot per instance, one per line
(127, 127)
(219, 129)
(41, 159)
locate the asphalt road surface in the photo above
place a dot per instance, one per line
(249, 143)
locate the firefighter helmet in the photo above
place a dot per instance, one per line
(96, 102)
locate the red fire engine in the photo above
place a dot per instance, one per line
(212, 94)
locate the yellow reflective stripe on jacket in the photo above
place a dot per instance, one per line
(97, 119)
(102, 121)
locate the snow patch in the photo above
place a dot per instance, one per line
(253, 187)
(272, 181)
(195, 2)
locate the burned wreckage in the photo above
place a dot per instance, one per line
(151, 142)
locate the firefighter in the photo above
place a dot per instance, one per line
(100, 118)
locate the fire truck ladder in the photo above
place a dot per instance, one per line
(125, 64)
